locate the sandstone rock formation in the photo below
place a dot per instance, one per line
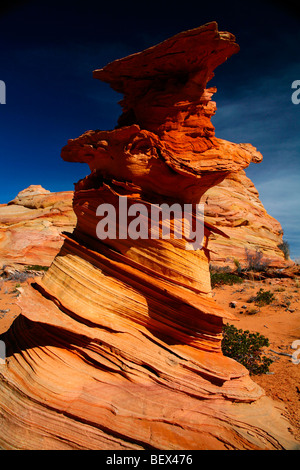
(234, 207)
(119, 345)
(31, 226)
(32, 223)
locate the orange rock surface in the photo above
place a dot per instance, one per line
(235, 208)
(119, 345)
(31, 226)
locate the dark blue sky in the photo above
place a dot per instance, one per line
(48, 53)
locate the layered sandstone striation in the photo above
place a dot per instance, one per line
(235, 208)
(31, 226)
(32, 223)
(119, 345)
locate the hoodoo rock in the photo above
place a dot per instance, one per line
(119, 345)
(31, 226)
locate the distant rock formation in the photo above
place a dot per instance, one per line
(119, 345)
(235, 208)
(31, 226)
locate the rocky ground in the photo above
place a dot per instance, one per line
(9, 309)
(278, 321)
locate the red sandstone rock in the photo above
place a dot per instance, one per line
(31, 226)
(119, 346)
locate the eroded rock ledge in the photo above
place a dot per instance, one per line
(31, 226)
(119, 346)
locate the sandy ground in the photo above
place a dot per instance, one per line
(8, 308)
(279, 322)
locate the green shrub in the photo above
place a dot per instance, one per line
(36, 267)
(220, 278)
(237, 265)
(246, 348)
(264, 297)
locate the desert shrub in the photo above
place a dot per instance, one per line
(15, 289)
(220, 269)
(15, 276)
(255, 261)
(36, 267)
(237, 265)
(264, 297)
(10, 274)
(252, 298)
(220, 278)
(246, 348)
(284, 246)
